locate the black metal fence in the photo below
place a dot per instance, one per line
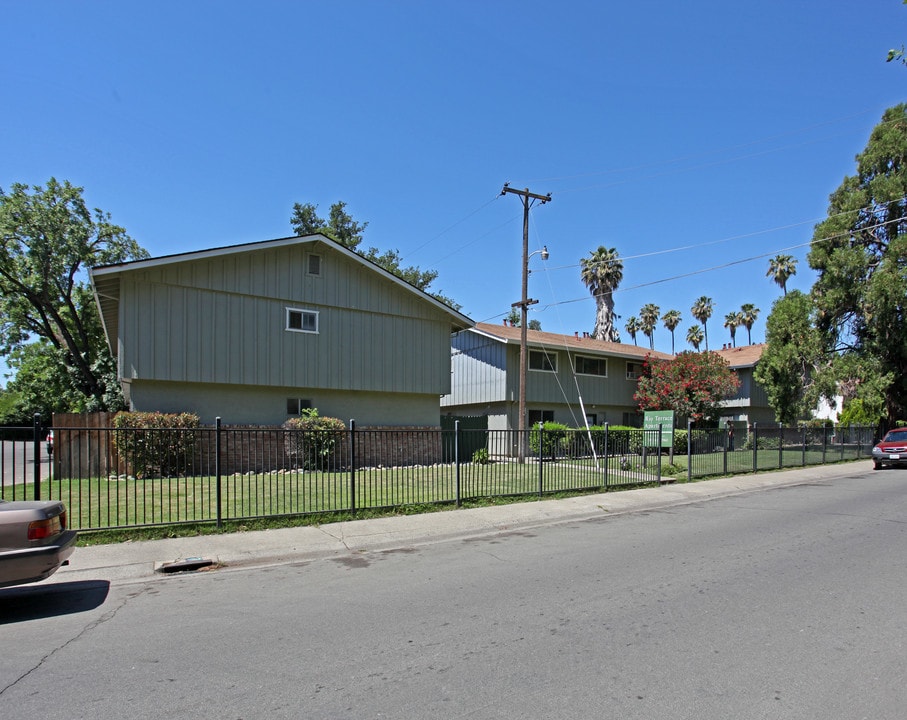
(114, 478)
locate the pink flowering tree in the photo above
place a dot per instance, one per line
(692, 384)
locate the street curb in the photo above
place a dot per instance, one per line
(138, 561)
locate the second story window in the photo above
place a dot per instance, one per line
(539, 360)
(302, 320)
(591, 366)
(634, 371)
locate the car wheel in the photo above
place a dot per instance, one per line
(876, 465)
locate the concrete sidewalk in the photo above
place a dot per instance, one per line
(137, 561)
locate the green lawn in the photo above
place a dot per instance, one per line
(99, 503)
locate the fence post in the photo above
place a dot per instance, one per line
(217, 471)
(457, 462)
(607, 456)
(727, 441)
(689, 450)
(658, 463)
(780, 446)
(541, 453)
(755, 448)
(352, 465)
(824, 442)
(36, 457)
(804, 447)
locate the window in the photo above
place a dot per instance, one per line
(634, 371)
(591, 366)
(537, 416)
(302, 320)
(591, 418)
(297, 405)
(314, 264)
(632, 420)
(539, 360)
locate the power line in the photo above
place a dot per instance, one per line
(731, 263)
(746, 235)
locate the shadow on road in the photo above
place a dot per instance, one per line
(19, 604)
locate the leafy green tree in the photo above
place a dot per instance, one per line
(781, 268)
(514, 320)
(648, 319)
(694, 336)
(601, 273)
(48, 240)
(748, 314)
(862, 386)
(632, 327)
(794, 364)
(702, 311)
(859, 254)
(692, 384)
(342, 228)
(41, 384)
(671, 320)
(859, 412)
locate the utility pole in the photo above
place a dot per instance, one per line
(527, 198)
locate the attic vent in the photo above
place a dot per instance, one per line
(314, 265)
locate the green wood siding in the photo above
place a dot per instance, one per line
(223, 320)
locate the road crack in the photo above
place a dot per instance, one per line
(106, 617)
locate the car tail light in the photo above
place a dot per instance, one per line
(40, 529)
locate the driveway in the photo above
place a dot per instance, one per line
(17, 464)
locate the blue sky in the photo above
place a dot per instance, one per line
(697, 138)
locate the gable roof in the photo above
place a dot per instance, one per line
(742, 357)
(572, 343)
(105, 279)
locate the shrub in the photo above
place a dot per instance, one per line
(314, 441)
(767, 442)
(701, 441)
(551, 439)
(480, 456)
(154, 443)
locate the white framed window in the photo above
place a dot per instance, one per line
(634, 371)
(296, 405)
(591, 366)
(544, 361)
(543, 416)
(305, 321)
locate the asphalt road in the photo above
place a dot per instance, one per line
(785, 603)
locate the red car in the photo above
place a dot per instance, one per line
(892, 450)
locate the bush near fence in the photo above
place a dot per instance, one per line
(387, 467)
(154, 444)
(314, 442)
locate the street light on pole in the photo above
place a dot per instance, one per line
(524, 303)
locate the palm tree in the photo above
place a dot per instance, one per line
(694, 336)
(780, 268)
(648, 319)
(602, 272)
(749, 313)
(702, 311)
(732, 321)
(632, 327)
(671, 320)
